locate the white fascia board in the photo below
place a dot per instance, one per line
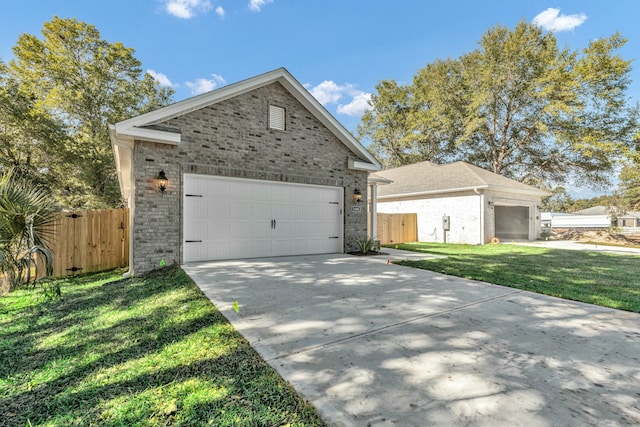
(327, 119)
(378, 181)
(363, 166)
(200, 101)
(533, 191)
(152, 135)
(427, 193)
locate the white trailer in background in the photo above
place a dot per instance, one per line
(580, 221)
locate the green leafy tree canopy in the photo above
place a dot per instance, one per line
(519, 106)
(76, 83)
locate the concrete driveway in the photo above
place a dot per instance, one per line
(376, 344)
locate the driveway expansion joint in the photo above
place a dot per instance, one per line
(338, 341)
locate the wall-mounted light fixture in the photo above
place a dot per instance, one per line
(539, 207)
(357, 196)
(162, 181)
(490, 203)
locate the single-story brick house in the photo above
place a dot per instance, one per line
(461, 203)
(253, 169)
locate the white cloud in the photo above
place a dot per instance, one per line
(551, 20)
(220, 11)
(329, 92)
(186, 9)
(205, 85)
(256, 5)
(161, 78)
(358, 105)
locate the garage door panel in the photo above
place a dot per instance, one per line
(234, 218)
(512, 222)
(195, 229)
(261, 246)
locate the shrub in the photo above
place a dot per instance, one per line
(366, 245)
(27, 212)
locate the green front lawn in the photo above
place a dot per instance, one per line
(149, 351)
(609, 280)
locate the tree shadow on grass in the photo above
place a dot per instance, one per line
(74, 396)
(25, 351)
(605, 279)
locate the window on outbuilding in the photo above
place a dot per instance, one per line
(276, 117)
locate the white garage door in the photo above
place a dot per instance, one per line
(226, 218)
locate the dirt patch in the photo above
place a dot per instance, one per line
(594, 236)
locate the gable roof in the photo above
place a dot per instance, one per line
(425, 178)
(124, 133)
(605, 210)
(374, 178)
(594, 210)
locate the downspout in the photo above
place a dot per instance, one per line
(131, 204)
(481, 228)
(374, 211)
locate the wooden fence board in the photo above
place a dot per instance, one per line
(397, 228)
(89, 241)
(410, 227)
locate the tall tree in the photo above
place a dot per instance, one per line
(522, 107)
(630, 185)
(630, 178)
(387, 126)
(83, 82)
(559, 201)
(29, 136)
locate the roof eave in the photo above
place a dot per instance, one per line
(122, 151)
(532, 191)
(363, 166)
(152, 135)
(377, 180)
(427, 193)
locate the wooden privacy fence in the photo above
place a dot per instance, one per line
(90, 240)
(397, 228)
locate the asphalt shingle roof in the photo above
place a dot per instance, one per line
(427, 177)
(605, 210)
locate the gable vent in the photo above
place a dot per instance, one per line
(276, 117)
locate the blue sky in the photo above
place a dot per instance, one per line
(338, 49)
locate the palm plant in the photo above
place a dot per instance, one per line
(27, 213)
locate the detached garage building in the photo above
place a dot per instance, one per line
(254, 169)
(461, 203)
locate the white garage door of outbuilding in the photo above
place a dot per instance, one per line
(229, 218)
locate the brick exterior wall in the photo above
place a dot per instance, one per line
(232, 139)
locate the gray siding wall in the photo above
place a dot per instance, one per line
(232, 139)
